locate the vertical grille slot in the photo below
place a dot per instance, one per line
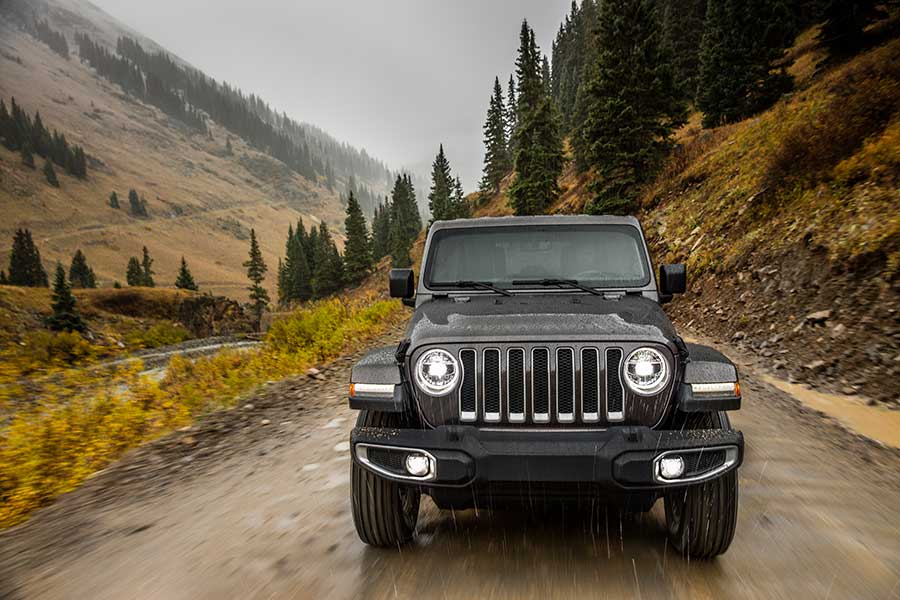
(614, 393)
(540, 384)
(590, 384)
(515, 382)
(491, 384)
(468, 403)
(565, 385)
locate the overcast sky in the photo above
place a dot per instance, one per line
(396, 77)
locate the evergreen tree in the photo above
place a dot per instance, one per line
(458, 201)
(545, 75)
(742, 41)
(328, 276)
(65, 316)
(405, 221)
(294, 273)
(633, 104)
(538, 146)
(114, 200)
(441, 188)
(682, 23)
(185, 280)
(50, 174)
(134, 275)
(511, 107)
(117, 285)
(147, 271)
(381, 228)
(136, 204)
(843, 31)
(27, 156)
(3, 279)
(25, 266)
(81, 275)
(496, 146)
(256, 273)
(358, 248)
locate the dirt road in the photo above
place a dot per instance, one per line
(253, 503)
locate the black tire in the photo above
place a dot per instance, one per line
(701, 518)
(384, 512)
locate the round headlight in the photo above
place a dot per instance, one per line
(646, 371)
(437, 372)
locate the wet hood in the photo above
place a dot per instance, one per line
(545, 317)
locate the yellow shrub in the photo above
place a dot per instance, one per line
(161, 334)
(81, 420)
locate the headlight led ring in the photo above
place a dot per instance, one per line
(646, 371)
(437, 372)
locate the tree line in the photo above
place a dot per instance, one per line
(29, 136)
(54, 39)
(625, 74)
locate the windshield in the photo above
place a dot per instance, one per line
(599, 256)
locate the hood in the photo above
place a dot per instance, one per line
(542, 317)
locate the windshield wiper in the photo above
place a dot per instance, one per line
(478, 285)
(572, 283)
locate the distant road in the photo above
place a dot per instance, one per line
(254, 503)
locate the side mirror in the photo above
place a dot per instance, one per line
(403, 284)
(672, 280)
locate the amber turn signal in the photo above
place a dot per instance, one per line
(352, 389)
(737, 389)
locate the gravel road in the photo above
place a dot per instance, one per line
(253, 503)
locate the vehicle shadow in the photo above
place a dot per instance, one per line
(555, 551)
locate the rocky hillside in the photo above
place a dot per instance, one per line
(789, 223)
(202, 198)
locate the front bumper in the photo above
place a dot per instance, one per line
(623, 458)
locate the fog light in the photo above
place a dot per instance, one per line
(670, 467)
(418, 465)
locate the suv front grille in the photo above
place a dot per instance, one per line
(541, 385)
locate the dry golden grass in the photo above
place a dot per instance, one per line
(194, 191)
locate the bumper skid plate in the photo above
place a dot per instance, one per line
(623, 457)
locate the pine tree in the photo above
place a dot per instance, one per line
(3, 279)
(147, 271)
(512, 104)
(25, 266)
(328, 276)
(538, 146)
(50, 174)
(65, 316)
(545, 75)
(441, 187)
(134, 275)
(682, 23)
(381, 230)
(742, 41)
(27, 156)
(633, 104)
(358, 248)
(295, 277)
(185, 280)
(81, 275)
(843, 31)
(117, 285)
(496, 146)
(114, 200)
(136, 204)
(256, 273)
(405, 221)
(458, 201)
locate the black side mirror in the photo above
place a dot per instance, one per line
(403, 284)
(672, 280)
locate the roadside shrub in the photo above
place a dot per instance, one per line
(161, 334)
(81, 420)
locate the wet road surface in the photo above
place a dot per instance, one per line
(819, 518)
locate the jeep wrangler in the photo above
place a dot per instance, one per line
(539, 366)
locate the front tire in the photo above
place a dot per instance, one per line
(701, 519)
(385, 512)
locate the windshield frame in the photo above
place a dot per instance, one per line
(428, 286)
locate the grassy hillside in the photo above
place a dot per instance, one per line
(202, 202)
(787, 214)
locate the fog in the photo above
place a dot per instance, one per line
(396, 78)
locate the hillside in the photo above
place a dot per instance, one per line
(202, 200)
(788, 223)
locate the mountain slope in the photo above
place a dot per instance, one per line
(789, 223)
(202, 201)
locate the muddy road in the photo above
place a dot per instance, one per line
(253, 503)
